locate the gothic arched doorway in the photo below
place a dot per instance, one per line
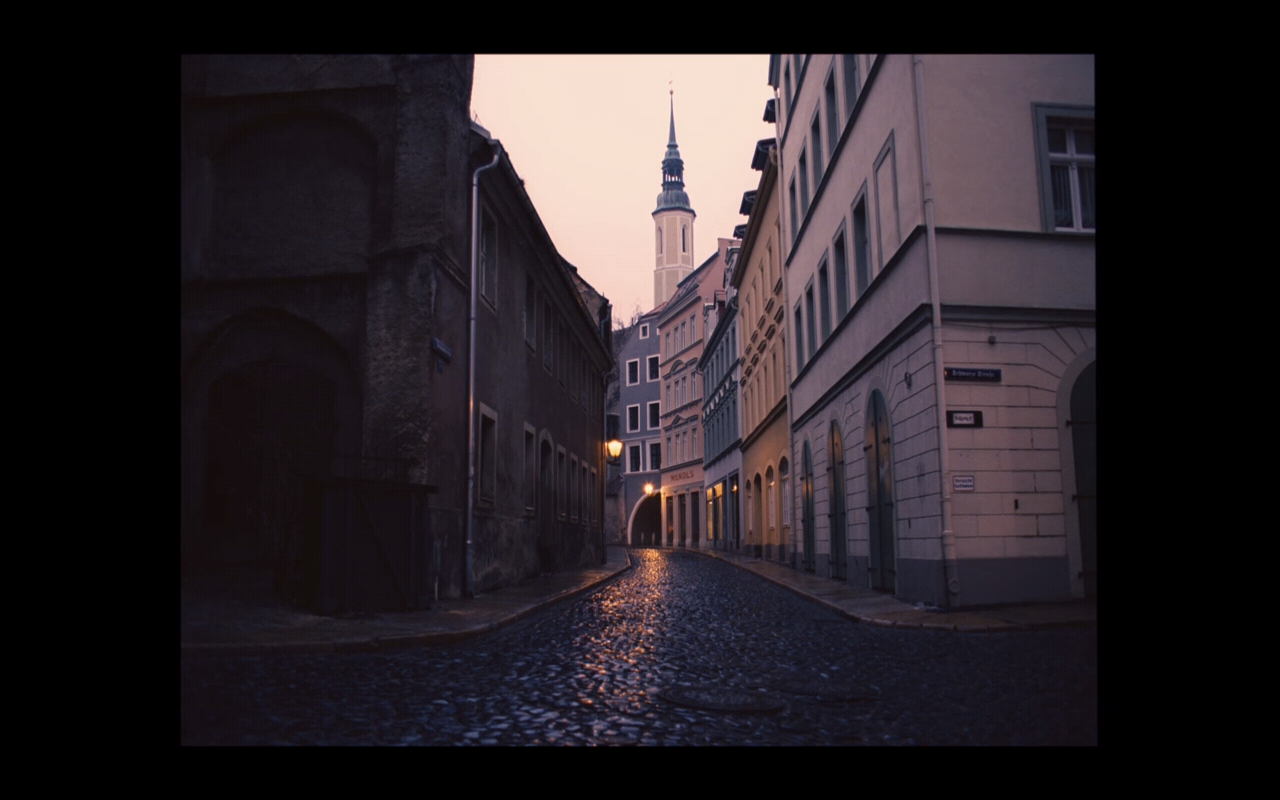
(879, 450)
(268, 442)
(1084, 440)
(836, 488)
(806, 489)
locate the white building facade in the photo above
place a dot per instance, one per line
(938, 223)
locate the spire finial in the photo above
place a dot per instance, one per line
(671, 138)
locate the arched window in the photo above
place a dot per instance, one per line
(684, 241)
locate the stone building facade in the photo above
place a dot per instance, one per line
(324, 309)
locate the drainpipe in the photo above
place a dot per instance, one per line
(468, 588)
(944, 451)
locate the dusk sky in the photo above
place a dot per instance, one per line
(587, 135)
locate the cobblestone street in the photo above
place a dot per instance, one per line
(681, 650)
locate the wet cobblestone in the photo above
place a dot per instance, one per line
(589, 672)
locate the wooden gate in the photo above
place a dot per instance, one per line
(376, 548)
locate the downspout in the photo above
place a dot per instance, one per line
(944, 451)
(468, 588)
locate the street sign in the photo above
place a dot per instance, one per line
(964, 419)
(962, 483)
(971, 374)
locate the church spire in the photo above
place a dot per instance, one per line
(673, 195)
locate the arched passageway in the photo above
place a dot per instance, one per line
(646, 522)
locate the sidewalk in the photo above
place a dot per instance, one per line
(212, 626)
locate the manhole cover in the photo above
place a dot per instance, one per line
(829, 691)
(714, 698)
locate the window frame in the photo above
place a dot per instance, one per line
(486, 457)
(840, 272)
(634, 408)
(530, 470)
(655, 373)
(630, 363)
(1072, 117)
(655, 415)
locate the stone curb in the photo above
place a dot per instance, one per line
(990, 626)
(375, 644)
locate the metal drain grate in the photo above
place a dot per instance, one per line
(715, 698)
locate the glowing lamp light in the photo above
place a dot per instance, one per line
(648, 488)
(614, 448)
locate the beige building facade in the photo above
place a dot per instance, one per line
(938, 219)
(758, 281)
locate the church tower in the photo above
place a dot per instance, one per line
(673, 223)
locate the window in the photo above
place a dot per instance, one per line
(1066, 161)
(842, 275)
(824, 300)
(633, 419)
(562, 477)
(684, 238)
(655, 455)
(668, 343)
(815, 141)
(659, 238)
(562, 352)
(574, 493)
(530, 306)
(886, 175)
(833, 121)
(802, 168)
(488, 258)
(795, 223)
(808, 312)
(633, 458)
(654, 414)
(851, 85)
(861, 245)
(633, 372)
(799, 337)
(644, 330)
(487, 457)
(653, 368)
(786, 85)
(548, 336)
(530, 470)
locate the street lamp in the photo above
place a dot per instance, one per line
(648, 489)
(614, 448)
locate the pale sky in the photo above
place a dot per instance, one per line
(587, 134)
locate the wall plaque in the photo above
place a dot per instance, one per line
(964, 419)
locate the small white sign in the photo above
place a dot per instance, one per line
(962, 483)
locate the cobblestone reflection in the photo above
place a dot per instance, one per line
(590, 671)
